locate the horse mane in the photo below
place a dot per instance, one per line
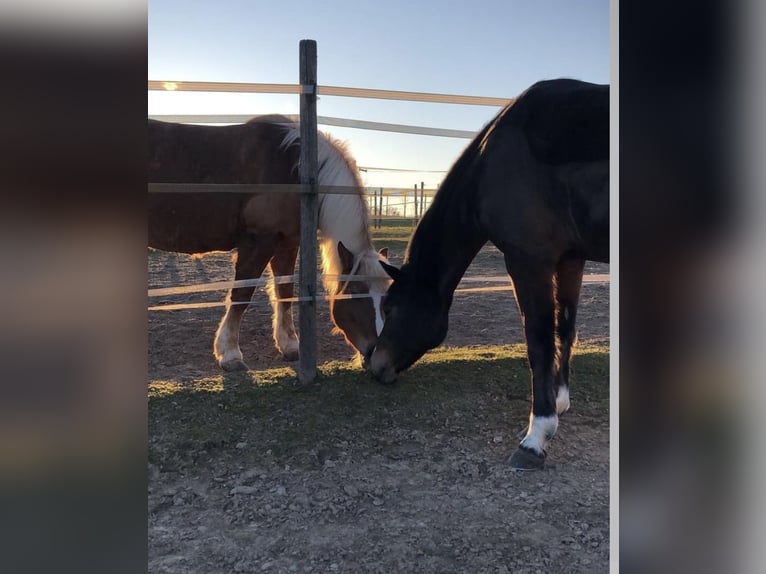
(343, 213)
(424, 242)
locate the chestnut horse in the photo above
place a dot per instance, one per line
(264, 227)
(535, 182)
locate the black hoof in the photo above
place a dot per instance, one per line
(235, 365)
(526, 459)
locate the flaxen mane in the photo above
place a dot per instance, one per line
(343, 211)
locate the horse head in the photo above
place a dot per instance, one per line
(416, 320)
(355, 307)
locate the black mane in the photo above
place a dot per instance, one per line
(452, 209)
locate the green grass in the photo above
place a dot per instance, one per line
(475, 386)
(392, 235)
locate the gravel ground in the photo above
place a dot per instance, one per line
(349, 476)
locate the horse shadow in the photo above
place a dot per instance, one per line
(263, 418)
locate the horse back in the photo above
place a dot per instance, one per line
(194, 222)
(564, 121)
(545, 171)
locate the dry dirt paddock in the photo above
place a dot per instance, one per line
(248, 473)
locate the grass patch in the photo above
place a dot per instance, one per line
(160, 389)
(462, 389)
(393, 237)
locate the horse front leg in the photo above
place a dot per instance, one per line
(253, 254)
(568, 283)
(533, 287)
(285, 337)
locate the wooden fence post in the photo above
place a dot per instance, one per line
(307, 362)
(415, 205)
(380, 209)
(422, 199)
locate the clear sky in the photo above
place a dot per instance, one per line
(475, 47)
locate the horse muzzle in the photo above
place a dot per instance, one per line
(366, 357)
(381, 367)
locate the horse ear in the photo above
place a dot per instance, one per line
(346, 258)
(392, 271)
(383, 252)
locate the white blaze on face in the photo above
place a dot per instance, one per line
(376, 299)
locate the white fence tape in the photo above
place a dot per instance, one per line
(245, 87)
(251, 188)
(322, 120)
(225, 285)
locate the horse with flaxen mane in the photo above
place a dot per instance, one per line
(535, 182)
(264, 228)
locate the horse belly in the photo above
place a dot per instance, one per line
(588, 187)
(273, 214)
(193, 223)
(515, 204)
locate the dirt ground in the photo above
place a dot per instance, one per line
(432, 495)
(181, 342)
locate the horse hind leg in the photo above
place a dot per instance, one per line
(533, 287)
(285, 337)
(251, 259)
(568, 283)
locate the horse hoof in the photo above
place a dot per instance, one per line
(234, 365)
(526, 459)
(290, 356)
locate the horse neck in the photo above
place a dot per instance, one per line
(342, 218)
(342, 215)
(447, 238)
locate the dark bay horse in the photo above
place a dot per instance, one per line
(264, 228)
(535, 182)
